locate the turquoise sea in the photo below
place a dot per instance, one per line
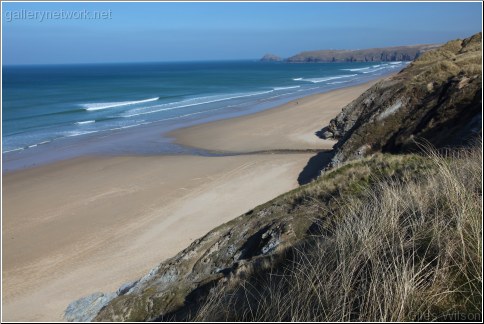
(49, 108)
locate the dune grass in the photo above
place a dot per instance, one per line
(403, 250)
(454, 58)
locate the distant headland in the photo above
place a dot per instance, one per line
(383, 54)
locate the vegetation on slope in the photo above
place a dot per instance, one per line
(404, 250)
(438, 97)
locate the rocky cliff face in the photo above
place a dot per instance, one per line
(400, 53)
(437, 98)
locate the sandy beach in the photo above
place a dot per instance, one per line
(291, 126)
(90, 224)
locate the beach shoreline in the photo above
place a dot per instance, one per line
(92, 223)
(291, 126)
(154, 136)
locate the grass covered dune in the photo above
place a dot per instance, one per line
(403, 245)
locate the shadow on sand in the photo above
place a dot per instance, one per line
(314, 166)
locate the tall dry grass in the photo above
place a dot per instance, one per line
(406, 251)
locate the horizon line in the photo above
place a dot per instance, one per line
(133, 62)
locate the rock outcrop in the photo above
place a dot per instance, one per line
(385, 54)
(437, 98)
(271, 58)
(86, 308)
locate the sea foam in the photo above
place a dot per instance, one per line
(85, 122)
(106, 105)
(356, 70)
(319, 80)
(375, 69)
(13, 150)
(190, 102)
(285, 88)
(339, 82)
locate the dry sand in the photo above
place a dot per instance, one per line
(91, 224)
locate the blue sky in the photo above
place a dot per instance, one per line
(144, 32)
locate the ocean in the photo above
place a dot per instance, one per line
(49, 108)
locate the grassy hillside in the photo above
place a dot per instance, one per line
(402, 250)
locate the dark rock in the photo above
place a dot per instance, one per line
(327, 135)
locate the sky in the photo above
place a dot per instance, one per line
(156, 32)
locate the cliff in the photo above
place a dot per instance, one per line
(437, 98)
(399, 53)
